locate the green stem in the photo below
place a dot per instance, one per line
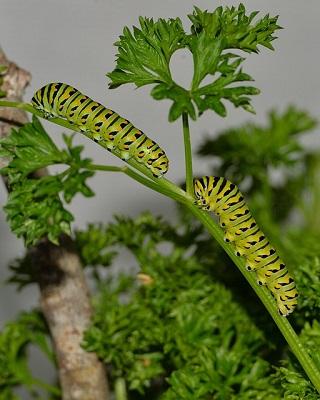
(187, 154)
(120, 389)
(167, 188)
(107, 168)
(164, 187)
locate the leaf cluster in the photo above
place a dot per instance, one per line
(144, 56)
(252, 154)
(302, 252)
(251, 149)
(291, 377)
(159, 330)
(15, 339)
(98, 244)
(158, 327)
(35, 206)
(190, 340)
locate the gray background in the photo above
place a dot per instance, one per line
(72, 41)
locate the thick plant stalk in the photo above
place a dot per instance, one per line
(66, 306)
(64, 296)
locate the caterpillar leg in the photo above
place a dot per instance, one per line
(201, 204)
(96, 136)
(46, 114)
(125, 155)
(286, 307)
(84, 129)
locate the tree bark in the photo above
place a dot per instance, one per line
(64, 295)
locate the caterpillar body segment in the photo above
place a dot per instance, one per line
(225, 199)
(100, 124)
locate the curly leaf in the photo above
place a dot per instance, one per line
(144, 55)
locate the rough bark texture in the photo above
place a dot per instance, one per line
(64, 295)
(65, 304)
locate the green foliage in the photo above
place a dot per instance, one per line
(145, 53)
(237, 29)
(303, 254)
(250, 150)
(295, 385)
(217, 374)
(160, 326)
(159, 323)
(291, 377)
(144, 56)
(310, 337)
(29, 148)
(23, 272)
(251, 153)
(35, 208)
(94, 243)
(15, 338)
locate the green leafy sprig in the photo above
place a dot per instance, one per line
(251, 149)
(163, 323)
(144, 57)
(252, 153)
(290, 376)
(35, 208)
(28, 329)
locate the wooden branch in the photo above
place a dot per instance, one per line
(64, 295)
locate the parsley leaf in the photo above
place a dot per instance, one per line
(29, 329)
(35, 206)
(144, 55)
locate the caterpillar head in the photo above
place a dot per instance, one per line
(200, 190)
(199, 186)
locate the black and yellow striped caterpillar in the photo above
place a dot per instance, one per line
(226, 201)
(100, 124)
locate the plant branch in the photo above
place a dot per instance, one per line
(187, 154)
(64, 295)
(161, 185)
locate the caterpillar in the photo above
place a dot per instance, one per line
(226, 201)
(100, 124)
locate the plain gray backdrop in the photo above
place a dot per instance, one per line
(72, 41)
